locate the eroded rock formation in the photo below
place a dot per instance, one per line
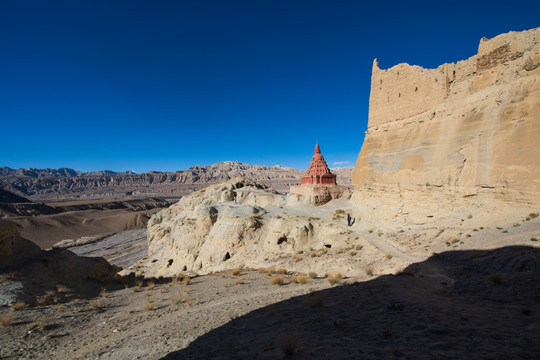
(459, 139)
(240, 223)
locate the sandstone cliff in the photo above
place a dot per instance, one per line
(456, 140)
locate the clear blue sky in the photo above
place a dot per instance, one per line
(164, 85)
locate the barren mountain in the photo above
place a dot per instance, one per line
(67, 184)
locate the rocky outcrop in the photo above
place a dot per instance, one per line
(239, 223)
(30, 271)
(454, 140)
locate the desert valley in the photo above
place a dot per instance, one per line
(428, 248)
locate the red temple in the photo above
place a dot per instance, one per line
(318, 172)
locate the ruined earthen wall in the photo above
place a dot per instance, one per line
(461, 131)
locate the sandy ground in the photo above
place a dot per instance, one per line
(46, 230)
(461, 304)
(474, 296)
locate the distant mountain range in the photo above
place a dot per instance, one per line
(69, 184)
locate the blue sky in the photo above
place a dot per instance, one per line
(164, 85)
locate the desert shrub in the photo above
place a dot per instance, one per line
(277, 280)
(312, 275)
(149, 306)
(42, 300)
(516, 225)
(335, 278)
(534, 239)
(236, 272)
(353, 253)
(9, 276)
(138, 284)
(301, 279)
(340, 212)
(186, 280)
(358, 247)
(18, 305)
(369, 271)
(176, 299)
(94, 304)
(62, 288)
(104, 293)
(36, 325)
(151, 285)
(388, 256)
(533, 215)
(6, 320)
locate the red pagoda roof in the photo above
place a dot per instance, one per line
(318, 164)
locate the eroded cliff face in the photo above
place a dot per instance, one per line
(459, 139)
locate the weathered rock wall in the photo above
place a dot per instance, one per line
(460, 136)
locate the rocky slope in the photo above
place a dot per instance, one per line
(29, 273)
(70, 184)
(457, 141)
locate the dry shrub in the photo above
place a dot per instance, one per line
(186, 280)
(369, 271)
(282, 271)
(149, 306)
(270, 271)
(388, 256)
(353, 253)
(6, 320)
(186, 289)
(335, 278)
(42, 300)
(18, 305)
(9, 276)
(262, 270)
(50, 292)
(301, 279)
(36, 325)
(312, 275)
(93, 304)
(104, 293)
(277, 279)
(314, 299)
(236, 272)
(287, 343)
(358, 247)
(151, 285)
(138, 285)
(176, 299)
(62, 288)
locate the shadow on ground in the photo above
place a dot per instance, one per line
(458, 304)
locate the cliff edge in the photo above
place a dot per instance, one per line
(455, 140)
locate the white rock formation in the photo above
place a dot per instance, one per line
(210, 231)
